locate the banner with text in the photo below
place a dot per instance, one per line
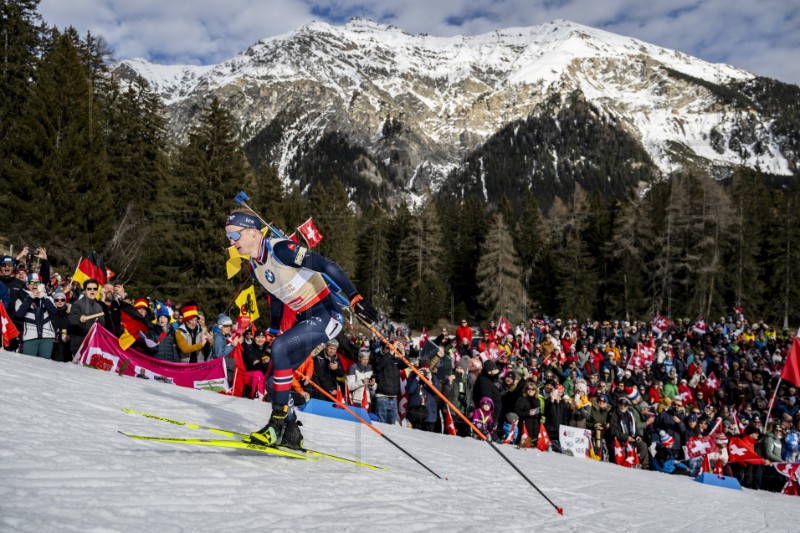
(101, 350)
(575, 441)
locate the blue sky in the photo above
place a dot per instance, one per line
(762, 36)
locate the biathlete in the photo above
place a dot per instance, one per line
(292, 274)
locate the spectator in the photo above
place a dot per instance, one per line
(167, 348)
(191, 337)
(61, 349)
(622, 427)
(110, 295)
(83, 315)
(16, 290)
(529, 407)
(580, 409)
(483, 417)
(485, 386)
(253, 358)
(328, 371)
(359, 379)
(422, 408)
(387, 373)
(457, 388)
(556, 413)
(464, 332)
(664, 460)
(36, 311)
(598, 423)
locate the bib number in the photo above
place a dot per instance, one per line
(334, 326)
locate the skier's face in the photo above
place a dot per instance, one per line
(245, 240)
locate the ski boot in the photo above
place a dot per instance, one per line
(272, 433)
(292, 438)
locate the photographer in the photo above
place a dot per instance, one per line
(422, 408)
(387, 373)
(359, 379)
(36, 311)
(673, 423)
(457, 388)
(328, 371)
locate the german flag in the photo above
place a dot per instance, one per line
(133, 323)
(90, 267)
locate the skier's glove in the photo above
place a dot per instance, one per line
(364, 309)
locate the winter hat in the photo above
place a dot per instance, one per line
(162, 310)
(6, 259)
(489, 367)
(59, 294)
(722, 440)
(141, 303)
(424, 364)
(363, 351)
(666, 440)
(33, 277)
(512, 417)
(260, 333)
(224, 320)
(633, 394)
(189, 310)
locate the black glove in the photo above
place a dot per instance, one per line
(364, 309)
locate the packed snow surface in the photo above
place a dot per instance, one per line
(65, 467)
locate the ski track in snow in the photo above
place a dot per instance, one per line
(65, 467)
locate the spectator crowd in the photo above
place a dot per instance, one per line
(648, 386)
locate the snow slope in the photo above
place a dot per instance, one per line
(64, 467)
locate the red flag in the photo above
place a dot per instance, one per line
(701, 446)
(739, 426)
(543, 444)
(718, 469)
(524, 440)
(510, 437)
(791, 488)
(293, 238)
(787, 469)
(402, 397)
(449, 426)
(339, 397)
(706, 468)
(10, 331)
(791, 367)
(619, 453)
(424, 337)
(700, 327)
(503, 328)
(712, 381)
(365, 398)
(660, 324)
(741, 451)
(631, 457)
(310, 233)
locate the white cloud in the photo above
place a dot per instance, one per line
(763, 36)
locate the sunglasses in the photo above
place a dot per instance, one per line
(60, 300)
(92, 289)
(234, 235)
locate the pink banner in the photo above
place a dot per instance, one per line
(100, 349)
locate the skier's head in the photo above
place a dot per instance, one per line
(243, 230)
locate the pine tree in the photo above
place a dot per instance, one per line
(58, 158)
(330, 208)
(629, 244)
(500, 274)
(373, 276)
(421, 265)
(209, 171)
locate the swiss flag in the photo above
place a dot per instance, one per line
(712, 381)
(700, 327)
(631, 457)
(791, 367)
(10, 331)
(543, 444)
(787, 469)
(510, 438)
(310, 233)
(660, 324)
(503, 328)
(740, 451)
(524, 440)
(619, 453)
(706, 468)
(339, 397)
(424, 337)
(791, 488)
(718, 469)
(365, 399)
(449, 426)
(700, 446)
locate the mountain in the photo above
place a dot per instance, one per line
(65, 467)
(388, 111)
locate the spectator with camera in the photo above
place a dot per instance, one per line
(328, 370)
(422, 406)
(387, 373)
(359, 379)
(61, 349)
(36, 311)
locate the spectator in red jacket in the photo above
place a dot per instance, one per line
(463, 332)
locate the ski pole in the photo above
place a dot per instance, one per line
(375, 332)
(370, 426)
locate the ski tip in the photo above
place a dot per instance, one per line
(560, 511)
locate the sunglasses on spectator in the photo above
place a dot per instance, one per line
(92, 289)
(60, 300)
(234, 235)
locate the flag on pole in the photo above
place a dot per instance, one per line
(450, 427)
(524, 439)
(740, 452)
(246, 301)
(660, 324)
(619, 453)
(791, 367)
(631, 457)
(503, 328)
(712, 381)
(510, 437)
(310, 232)
(9, 331)
(91, 267)
(701, 446)
(424, 337)
(365, 398)
(543, 443)
(700, 327)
